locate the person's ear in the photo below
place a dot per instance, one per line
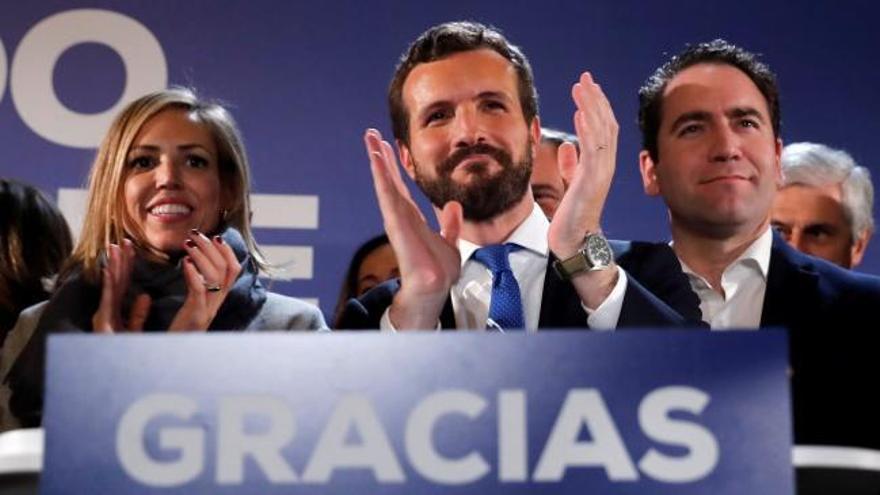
(535, 136)
(406, 159)
(859, 245)
(648, 169)
(778, 164)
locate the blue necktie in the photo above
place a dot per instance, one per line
(506, 307)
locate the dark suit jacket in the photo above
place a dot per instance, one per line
(658, 294)
(834, 340)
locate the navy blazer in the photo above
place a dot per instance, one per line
(658, 295)
(834, 340)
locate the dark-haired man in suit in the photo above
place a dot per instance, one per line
(464, 112)
(710, 122)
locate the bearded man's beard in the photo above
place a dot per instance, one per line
(484, 196)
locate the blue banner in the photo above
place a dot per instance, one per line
(560, 412)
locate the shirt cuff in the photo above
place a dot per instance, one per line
(606, 315)
(385, 325)
(385, 322)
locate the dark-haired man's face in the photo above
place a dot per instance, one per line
(718, 164)
(468, 138)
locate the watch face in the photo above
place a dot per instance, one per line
(598, 251)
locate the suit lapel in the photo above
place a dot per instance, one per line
(447, 316)
(560, 303)
(791, 288)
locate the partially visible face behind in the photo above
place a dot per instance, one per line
(378, 266)
(173, 181)
(547, 185)
(718, 160)
(812, 220)
(469, 140)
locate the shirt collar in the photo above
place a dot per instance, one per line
(759, 252)
(531, 234)
(756, 255)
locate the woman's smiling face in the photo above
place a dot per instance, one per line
(172, 181)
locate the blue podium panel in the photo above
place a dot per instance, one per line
(642, 412)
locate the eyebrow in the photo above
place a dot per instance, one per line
(182, 147)
(485, 95)
(740, 112)
(695, 116)
(820, 225)
(493, 94)
(432, 107)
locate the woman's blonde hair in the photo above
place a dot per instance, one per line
(106, 219)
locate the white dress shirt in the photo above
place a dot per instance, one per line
(744, 283)
(471, 294)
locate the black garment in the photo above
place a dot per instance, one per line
(658, 294)
(71, 308)
(834, 342)
(656, 267)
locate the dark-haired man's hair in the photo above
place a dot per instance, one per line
(447, 39)
(714, 52)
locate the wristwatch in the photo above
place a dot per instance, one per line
(596, 254)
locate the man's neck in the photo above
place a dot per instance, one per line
(708, 256)
(498, 228)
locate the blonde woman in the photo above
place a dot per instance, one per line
(166, 244)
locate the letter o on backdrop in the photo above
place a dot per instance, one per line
(2, 70)
(32, 69)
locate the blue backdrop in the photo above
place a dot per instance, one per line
(306, 78)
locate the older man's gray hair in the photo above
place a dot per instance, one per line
(817, 165)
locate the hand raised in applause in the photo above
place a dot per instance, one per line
(429, 262)
(115, 279)
(588, 176)
(210, 270)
